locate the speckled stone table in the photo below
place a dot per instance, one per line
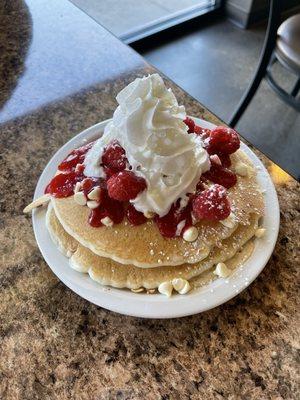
(59, 73)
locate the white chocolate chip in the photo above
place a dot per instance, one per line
(107, 221)
(260, 232)
(178, 283)
(186, 288)
(151, 252)
(139, 290)
(184, 201)
(230, 221)
(166, 288)
(221, 270)
(215, 159)
(37, 203)
(194, 219)
(190, 234)
(78, 167)
(182, 286)
(179, 227)
(77, 187)
(274, 354)
(92, 204)
(242, 169)
(80, 198)
(95, 194)
(150, 291)
(149, 214)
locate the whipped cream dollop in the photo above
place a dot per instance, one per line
(148, 124)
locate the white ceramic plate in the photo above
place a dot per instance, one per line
(156, 305)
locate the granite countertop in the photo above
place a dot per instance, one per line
(59, 74)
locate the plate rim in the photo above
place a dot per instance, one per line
(156, 306)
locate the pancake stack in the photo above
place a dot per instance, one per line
(139, 257)
(156, 202)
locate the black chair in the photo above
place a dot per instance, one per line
(280, 45)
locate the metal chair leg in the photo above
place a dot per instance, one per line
(268, 47)
(296, 88)
(285, 96)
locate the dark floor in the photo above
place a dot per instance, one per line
(215, 64)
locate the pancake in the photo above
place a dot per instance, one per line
(240, 257)
(143, 246)
(65, 243)
(108, 272)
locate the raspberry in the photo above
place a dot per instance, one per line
(134, 216)
(190, 124)
(125, 185)
(212, 204)
(203, 132)
(114, 156)
(221, 175)
(223, 140)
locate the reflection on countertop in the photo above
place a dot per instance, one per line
(64, 55)
(279, 176)
(55, 344)
(14, 45)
